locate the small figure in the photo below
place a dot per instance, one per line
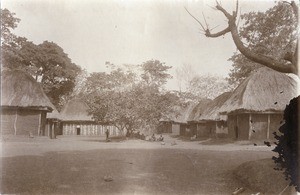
(107, 134)
(161, 138)
(153, 138)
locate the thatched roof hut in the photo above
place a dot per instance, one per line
(264, 90)
(211, 113)
(198, 110)
(24, 105)
(21, 90)
(76, 110)
(255, 107)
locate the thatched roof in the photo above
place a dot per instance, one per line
(211, 113)
(21, 90)
(180, 114)
(264, 90)
(76, 110)
(54, 115)
(198, 110)
(184, 114)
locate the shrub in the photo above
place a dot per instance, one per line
(287, 145)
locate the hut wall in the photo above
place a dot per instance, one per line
(7, 121)
(88, 129)
(165, 127)
(238, 126)
(183, 129)
(259, 126)
(192, 129)
(203, 130)
(211, 128)
(43, 123)
(175, 129)
(254, 127)
(26, 121)
(232, 123)
(243, 126)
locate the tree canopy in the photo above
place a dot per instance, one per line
(46, 62)
(128, 100)
(272, 33)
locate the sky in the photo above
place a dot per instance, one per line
(93, 32)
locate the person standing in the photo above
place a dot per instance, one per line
(107, 134)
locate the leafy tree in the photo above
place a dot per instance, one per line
(155, 73)
(207, 86)
(8, 23)
(272, 33)
(128, 100)
(242, 67)
(46, 62)
(184, 75)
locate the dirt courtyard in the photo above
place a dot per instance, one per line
(80, 165)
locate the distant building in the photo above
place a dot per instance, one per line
(176, 123)
(77, 121)
(24, 105)
(212, 119)
(255, 108)
(196, 126)
(54, 124)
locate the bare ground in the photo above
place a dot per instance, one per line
(79, 165)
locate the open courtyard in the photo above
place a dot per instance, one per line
(89, 165)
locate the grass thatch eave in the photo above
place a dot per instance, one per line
(20, 90)
(40, 108)
(243, 111)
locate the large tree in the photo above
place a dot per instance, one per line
(128, 100)
(46, 62)
(267, 38)
(208, 86)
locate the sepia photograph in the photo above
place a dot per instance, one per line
(150, 97)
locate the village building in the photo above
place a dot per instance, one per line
(24, 105)
(176, 123)
(196, 127)
(212, 119)
(54, 124)
(255, 108)
(77, 121)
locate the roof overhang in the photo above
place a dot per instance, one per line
(40, 108)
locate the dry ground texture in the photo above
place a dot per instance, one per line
(79, 165)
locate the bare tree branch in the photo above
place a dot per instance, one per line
(195, 18)
(291, 59)
(218, 34)
(236, 9)
(205, 21)
(220, 8)
(215, 27)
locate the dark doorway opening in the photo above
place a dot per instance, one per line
(78, 130)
